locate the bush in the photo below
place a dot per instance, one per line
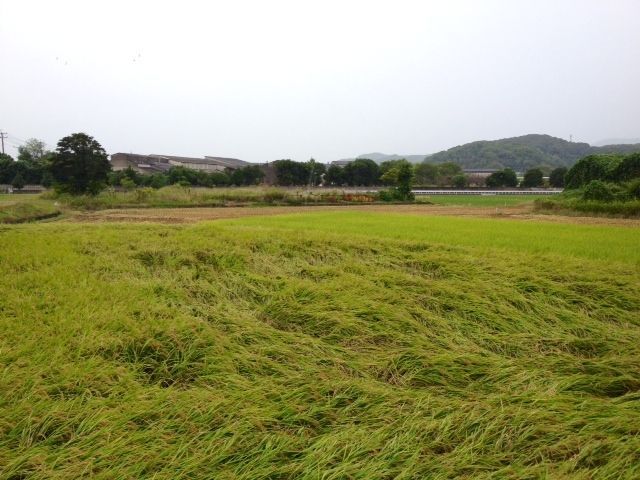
(627, 169)
(592, 167)
(18, 181)
(597, 190)
(633, 189)
(460, 181)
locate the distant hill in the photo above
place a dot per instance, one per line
(383, 157)
(616, 141)
(522, 153)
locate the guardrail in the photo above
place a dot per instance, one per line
(487, 192)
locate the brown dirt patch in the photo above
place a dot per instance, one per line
(191, 215)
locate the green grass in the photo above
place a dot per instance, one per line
(478, 200)
(25, 208)
(518, 238)
(368, 346)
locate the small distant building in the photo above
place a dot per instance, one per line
(341, 163)
(147, 164)
(479, 172)
(477, 177)
(6, 188)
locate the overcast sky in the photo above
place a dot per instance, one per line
(263, 80)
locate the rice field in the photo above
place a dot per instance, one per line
(478, 200)
(328, 345)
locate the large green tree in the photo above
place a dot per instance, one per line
(627, 169)
(7, 168)
(426, 174)
(362, 172)
(33, 158)
(248, 175)
(80, 165)
(447, 172)
(334, 176)
(289, 172)
(533, 178)
(502, 178)
(592, 167)
(404, 178)
(556, 178)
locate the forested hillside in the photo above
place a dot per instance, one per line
(522, 153)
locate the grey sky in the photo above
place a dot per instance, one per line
(264, 80)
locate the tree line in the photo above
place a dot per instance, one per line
(606, 177)
(80, 165)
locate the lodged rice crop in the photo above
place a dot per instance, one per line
(320, 346)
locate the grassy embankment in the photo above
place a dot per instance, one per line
(20, 208)
(478, 200)
(176, 196)
(320, 346)
(572, 205)
(218, 197)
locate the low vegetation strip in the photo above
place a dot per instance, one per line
(569, 205)
(178, 196)
(29, 211)
(250, 350)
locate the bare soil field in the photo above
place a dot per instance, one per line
(198, 214)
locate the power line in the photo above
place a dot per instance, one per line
(16, 139)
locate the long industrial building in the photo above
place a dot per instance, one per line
(147, 164)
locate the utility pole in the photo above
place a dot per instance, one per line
(3, 135)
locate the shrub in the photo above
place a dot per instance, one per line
(460, 180)
(633, 188)
(591, 167)
(597, 190)
(143, 194)
(627, 169)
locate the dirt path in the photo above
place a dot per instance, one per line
(192, 215)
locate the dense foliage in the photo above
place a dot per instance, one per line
(533, 178)
(362, 172)
(290, 173)
(601, 184)
(556, 178)
(503, 178)
(245, 176)
(606, 168)
(31, 166)
(80, 165)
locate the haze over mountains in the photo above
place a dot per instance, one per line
(519, 153)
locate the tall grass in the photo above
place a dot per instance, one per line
(630, 208)
(26, 210)
(254, 350)
(176, 196)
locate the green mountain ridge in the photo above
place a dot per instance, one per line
(524, 152)
(519, 153)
